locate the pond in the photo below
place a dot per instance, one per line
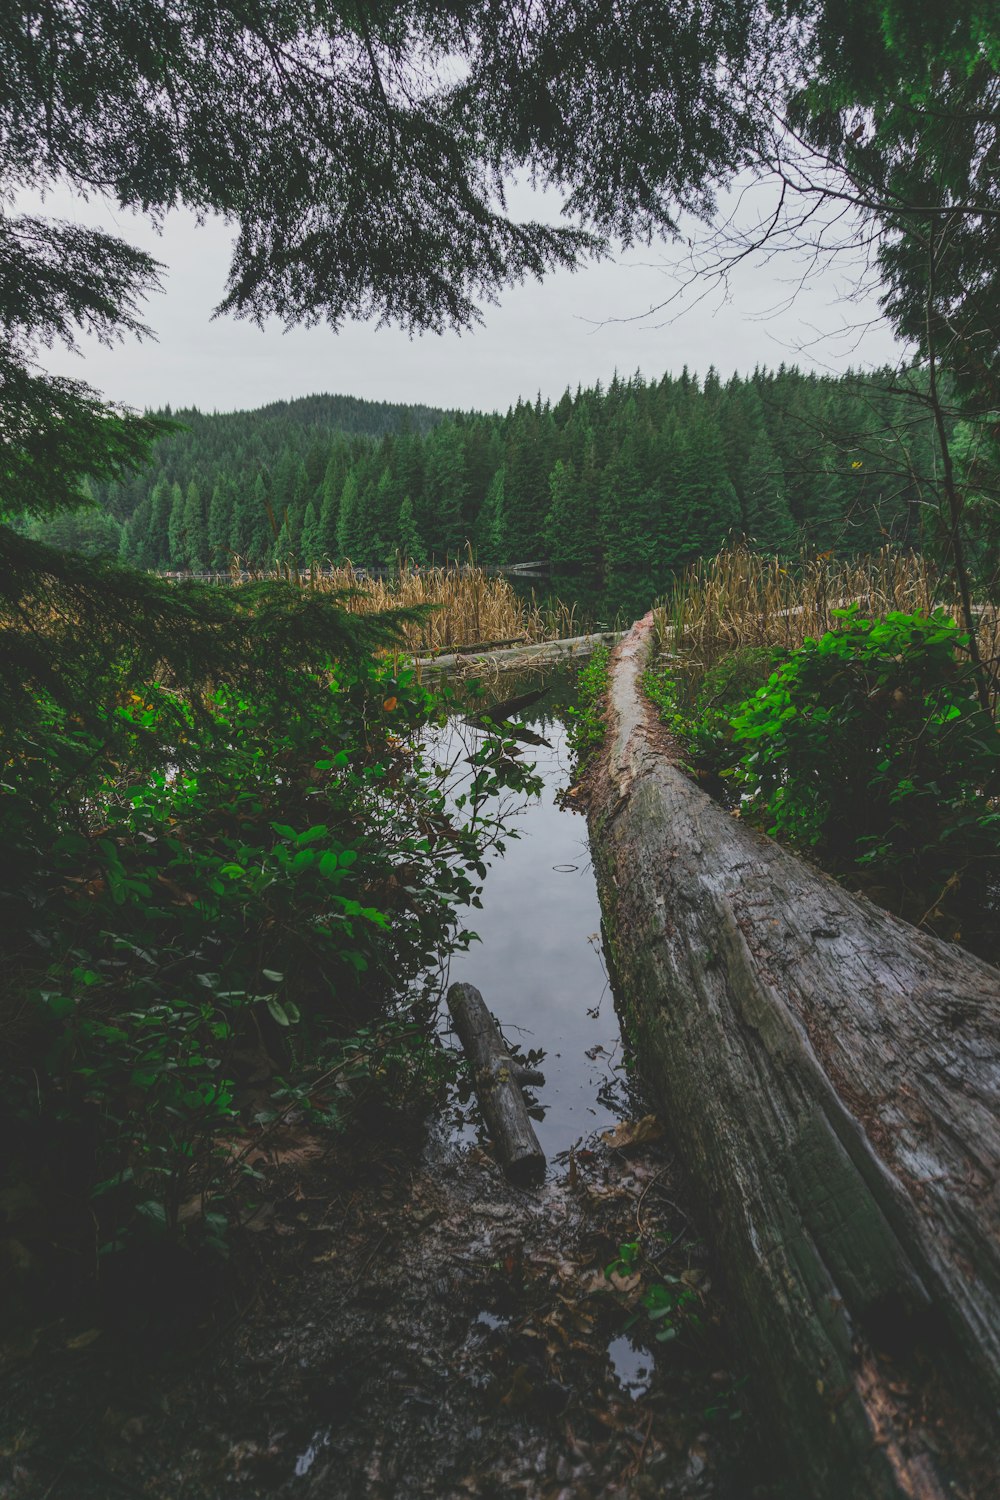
(539, 961)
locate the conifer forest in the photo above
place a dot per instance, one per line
(500, 897)
(645, 475)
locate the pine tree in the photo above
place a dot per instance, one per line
(157, 541)
(333, 483)
(177, 529)
(195, 531)
(350, 538)
(445, 485)
(311, 543)
(220, 523)
(767, 519)
(241, 525)
(566, 531)
(408, 541)
(264, 524)
(490, 534)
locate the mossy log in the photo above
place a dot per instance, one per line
(830, 1076)
(498, 1079)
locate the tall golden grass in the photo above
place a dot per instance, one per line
(740, 598)
(467, 605)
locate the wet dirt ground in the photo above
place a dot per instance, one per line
(419, 1328)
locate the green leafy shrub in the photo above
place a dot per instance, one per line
(585, 727)
(204, 893)
(868, 747)
(697, 708)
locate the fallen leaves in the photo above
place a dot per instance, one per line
(628, 1133)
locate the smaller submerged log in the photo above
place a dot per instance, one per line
(498, 1080)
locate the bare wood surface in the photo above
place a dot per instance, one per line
(830, 1076)
(498, 1081)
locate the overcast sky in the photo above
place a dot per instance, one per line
(572, 329)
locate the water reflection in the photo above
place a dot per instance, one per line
(539, 964)
(601, 601)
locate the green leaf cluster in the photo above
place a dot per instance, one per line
(868, 746)
(203, 892)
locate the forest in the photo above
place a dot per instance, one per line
(646, 476)
(300, 935)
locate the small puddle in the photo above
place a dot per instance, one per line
(539, 963)
(632, 1365)
(305, 1461)
(490, 1321)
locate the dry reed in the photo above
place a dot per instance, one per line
(740, 598)
(467, 605)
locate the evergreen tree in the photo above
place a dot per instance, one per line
(528, 463)
(265, 525)
(823, 520)
(445, 490)
(311, 543)
(350, 536)
(177, 529)
(566, 531)
(220, 523)
(157, 541)
(490, 535)
(767, 519)
(195, 530)
(333, 483)
(408, 541)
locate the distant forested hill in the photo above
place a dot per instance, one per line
(640, 475)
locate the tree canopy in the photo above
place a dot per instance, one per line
(361, 153)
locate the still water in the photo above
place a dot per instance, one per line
(599, 601)
(539, 963)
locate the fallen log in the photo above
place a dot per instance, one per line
(830, 1077)
(532, 655)
(498, 1080)
(497, 645)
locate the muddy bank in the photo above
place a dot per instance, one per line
(421, 1329)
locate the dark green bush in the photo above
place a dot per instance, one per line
(585, 729)
(869, 747)
(696, 708)
(206, 892)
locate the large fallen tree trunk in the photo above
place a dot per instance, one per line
(830, 1075)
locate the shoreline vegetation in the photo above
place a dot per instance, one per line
(460, 604)
(835, 705)
(826, 1070)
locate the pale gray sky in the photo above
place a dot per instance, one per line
(543, 337)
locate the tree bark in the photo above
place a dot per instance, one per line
(830, 1076)
(498, 1079)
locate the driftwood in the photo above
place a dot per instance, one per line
(498, 1080)
(509, 640)
(830, 1077)
(499, 713)
(578, 646)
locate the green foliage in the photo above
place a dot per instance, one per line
(644, 476)
(696, 708)
(253, 871)
(585, 728)
(868, 746)
(668, 1303)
